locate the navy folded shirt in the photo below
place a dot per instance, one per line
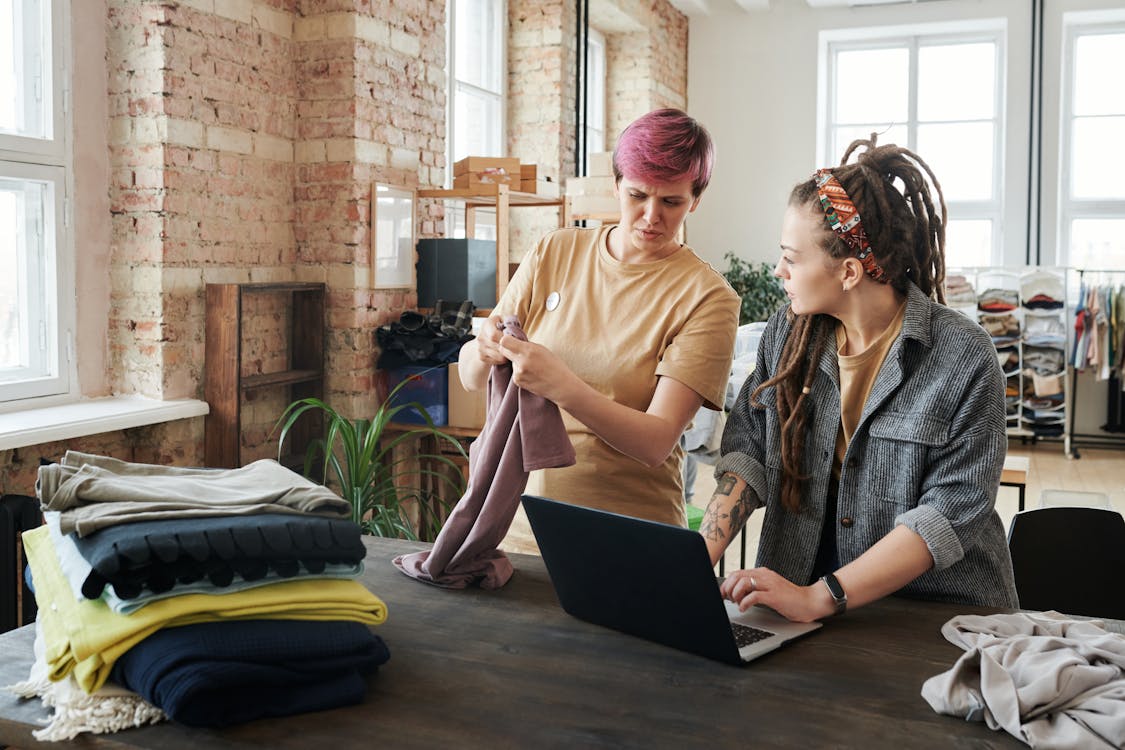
(216, 674)
(158, 554)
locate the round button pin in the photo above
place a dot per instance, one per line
(552, 301)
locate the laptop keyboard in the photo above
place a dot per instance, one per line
(744, 635)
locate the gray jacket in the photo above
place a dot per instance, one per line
(927, 453)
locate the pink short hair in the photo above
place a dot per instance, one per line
(666, 145)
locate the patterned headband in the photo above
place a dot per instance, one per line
(844, 218)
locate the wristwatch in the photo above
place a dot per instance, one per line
(837, 593)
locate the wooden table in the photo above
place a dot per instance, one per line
(1016, 469)
(510, 669)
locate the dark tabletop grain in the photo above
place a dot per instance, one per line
(509, 668)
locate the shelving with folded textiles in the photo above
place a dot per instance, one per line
(1024, 311)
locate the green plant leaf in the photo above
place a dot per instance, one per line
(761, 292)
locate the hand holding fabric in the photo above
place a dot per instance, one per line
(537, 369)
(488, 342)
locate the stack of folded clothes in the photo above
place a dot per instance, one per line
(1004, 329)
(997, 300)
(210, 596)
(959, 293)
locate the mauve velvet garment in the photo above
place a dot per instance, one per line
(499, 463)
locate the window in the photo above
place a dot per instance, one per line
(36, 288)
(595, 92)
(477, 71)
(1092, 196)
(939, 94)
(476, 75)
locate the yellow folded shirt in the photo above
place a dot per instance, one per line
(86, 637)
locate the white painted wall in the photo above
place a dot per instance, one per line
(752, 80)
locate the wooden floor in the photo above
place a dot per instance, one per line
(1098, 470)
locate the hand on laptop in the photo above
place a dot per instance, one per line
(762, 586)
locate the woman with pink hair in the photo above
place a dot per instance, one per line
(630, 332)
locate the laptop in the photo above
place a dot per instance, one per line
(652, 580)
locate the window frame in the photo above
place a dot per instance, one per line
(1072, 209)
(913, 37)
(595, 85)
(50, 160)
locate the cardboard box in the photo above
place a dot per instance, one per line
(507, 165)
(603, 207)
(474, 179)
(589, 186)
(427, 386)
(455, 270)
(466, 408)
(600, 164)
(542, 187)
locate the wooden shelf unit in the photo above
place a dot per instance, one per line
(503, 199)
(225, 385)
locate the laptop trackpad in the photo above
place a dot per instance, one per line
(766, 619)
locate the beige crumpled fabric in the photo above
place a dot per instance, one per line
(109, 709)
(1046, 679)
(92, 492)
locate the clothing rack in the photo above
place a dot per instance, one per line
(1094, 440)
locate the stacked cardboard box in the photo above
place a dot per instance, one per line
(473, 171)
(593, 195)
(534, 180)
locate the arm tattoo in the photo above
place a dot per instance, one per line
(740, 511)
(710, 528)
(716, 525)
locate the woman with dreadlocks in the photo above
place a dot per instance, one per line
(872, 429)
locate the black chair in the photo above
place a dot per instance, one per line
(1070, 559)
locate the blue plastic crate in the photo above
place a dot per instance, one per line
(430, 389)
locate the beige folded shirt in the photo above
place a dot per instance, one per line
(92, 492)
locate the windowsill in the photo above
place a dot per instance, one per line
(91, 417)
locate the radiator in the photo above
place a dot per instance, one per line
(18, 513)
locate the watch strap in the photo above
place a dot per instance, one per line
(836, 591)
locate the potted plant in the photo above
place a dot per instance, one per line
(358, 456)
(759, 289)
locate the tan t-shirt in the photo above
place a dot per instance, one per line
(857, 377)
(620, 326)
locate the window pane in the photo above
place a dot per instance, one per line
(25, 69)
(1098, 62)
(1097, 243)
(24, 299)
(844, 137)
(960, 154)
(956, 82)
(872, 86)
(1097, 157)
(478, 44)
(968, 242)
(476, 125)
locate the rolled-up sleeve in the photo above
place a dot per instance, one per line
(961, 481)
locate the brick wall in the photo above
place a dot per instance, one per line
(244, 138)
(541, 91)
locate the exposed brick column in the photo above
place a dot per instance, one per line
(371, 109)
(541, 94)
